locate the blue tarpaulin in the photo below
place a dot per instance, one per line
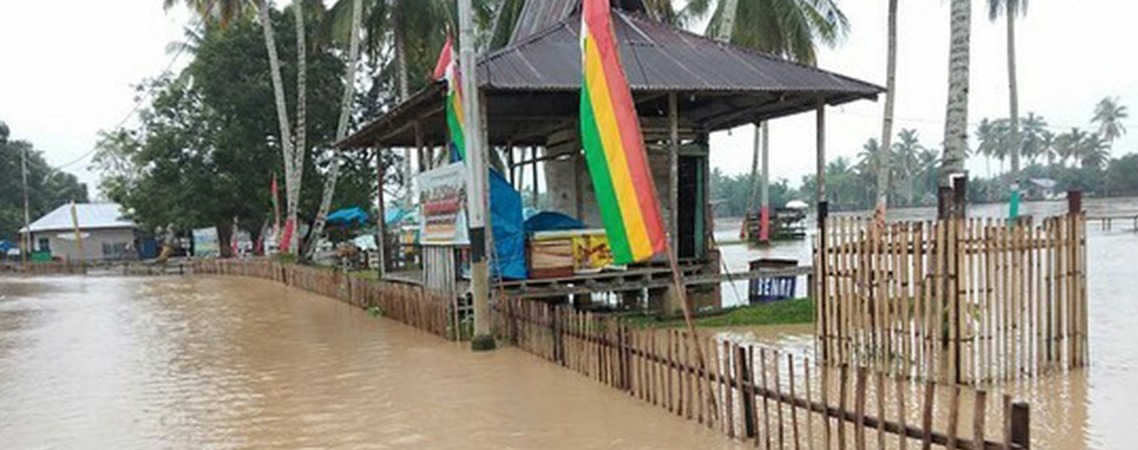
(552, 221)
(4, 247)
(506, 226)
(349, 216)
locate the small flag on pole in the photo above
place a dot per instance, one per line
(614, 144)
(447, 68)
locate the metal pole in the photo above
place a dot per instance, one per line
(764, 197)
(26, 239)
(476, 182)
(381, 221)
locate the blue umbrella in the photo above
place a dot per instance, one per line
(349, 216)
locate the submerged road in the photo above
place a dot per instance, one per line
(240, 363)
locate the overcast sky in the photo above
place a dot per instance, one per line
(68, 67)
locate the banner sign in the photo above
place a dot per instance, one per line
(442, 204)
(205, 243)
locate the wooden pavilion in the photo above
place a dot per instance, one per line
(685, 86)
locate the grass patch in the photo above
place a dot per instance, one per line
(774, 313)
(365, 274)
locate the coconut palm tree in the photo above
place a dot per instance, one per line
(791, 29)
(1093, 152)
(345, 114)
(1009, 9)
(905, 152)
(887, 116)
(1069, 146)
(1032, 139)
(1109, 115)
(956, 109)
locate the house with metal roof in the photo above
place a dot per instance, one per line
(106, 233)
(685, 86)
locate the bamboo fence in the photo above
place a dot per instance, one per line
(761, 396)
(407, 303)
(960, 300)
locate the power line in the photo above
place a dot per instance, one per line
(146, 94)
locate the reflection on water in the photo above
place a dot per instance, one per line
(240, 363)
(1085, 409)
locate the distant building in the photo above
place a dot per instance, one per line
(107, 235)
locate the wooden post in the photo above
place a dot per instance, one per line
(1021, 425)
(533, 152)
(381, 226)
(820, 136)
(78, 237)
(673, 169)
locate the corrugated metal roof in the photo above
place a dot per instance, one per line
(538, 77)
(656, 57)
(91, 216)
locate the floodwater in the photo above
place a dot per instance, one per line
(1089, 408)
(118, 363)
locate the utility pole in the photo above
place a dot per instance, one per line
(476, 181)
(26, 239)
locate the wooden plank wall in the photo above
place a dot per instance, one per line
(411, 304)
(761, 396)
(963, 300)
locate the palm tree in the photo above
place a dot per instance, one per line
(905, 152)
(791, 29)
(887, 119)
(1109, 116)
(1032, 140)
(1069, 146)
(300, 147)
(1010, 9)
(1093, 152)
(342, 125)
(956, 109)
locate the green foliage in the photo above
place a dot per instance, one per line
(731, 193)
(47, 188)
(207, 148)
(773, 313)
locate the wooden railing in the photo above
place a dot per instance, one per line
(410, 304)
(759, 395)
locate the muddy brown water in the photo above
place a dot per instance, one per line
(116, 363)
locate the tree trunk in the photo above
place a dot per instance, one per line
(341, 125)
(278, 95)
(883, 165)
(727, 24)
(400, 35)
(1013, 91)
(956, 109)
(300, 147)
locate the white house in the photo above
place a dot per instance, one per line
(106, 234)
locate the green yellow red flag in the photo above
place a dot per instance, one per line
(447, 68)
(614, 145)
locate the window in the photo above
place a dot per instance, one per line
(43, 245)
(114, 250)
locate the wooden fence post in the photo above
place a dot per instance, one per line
(1021, 425)
(743, 373)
